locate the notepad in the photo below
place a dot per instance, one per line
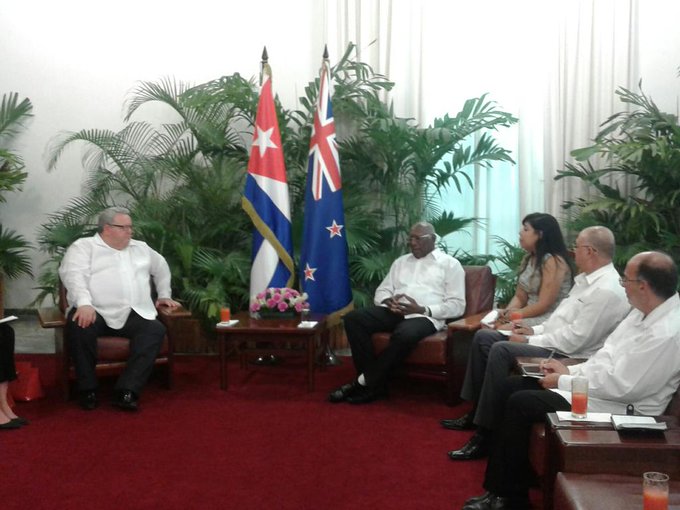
(590, 417)
(490, 318)
(626, 422)
(227, 324)
(532, 370)
(307, 324)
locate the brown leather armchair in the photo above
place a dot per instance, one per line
(112, 351)
(444, 354)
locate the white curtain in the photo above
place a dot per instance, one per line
(554, 64)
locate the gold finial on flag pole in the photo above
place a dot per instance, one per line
(264, 66)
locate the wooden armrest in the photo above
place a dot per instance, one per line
(51, 317)
(469, 323)
(173, 313)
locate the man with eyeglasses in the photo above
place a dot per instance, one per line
(421, 291)
(639, 365)
(107, 279)
(577, 328)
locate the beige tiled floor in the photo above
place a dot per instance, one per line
(30, 337)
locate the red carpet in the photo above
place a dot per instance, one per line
(265, 443)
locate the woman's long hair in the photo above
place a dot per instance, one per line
(550, 241)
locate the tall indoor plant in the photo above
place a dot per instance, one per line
(640, 147)
(14, 259)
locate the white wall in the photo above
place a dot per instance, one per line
(76, 60)
(660, 52)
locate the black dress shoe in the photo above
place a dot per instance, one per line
(9, 425)
(344, 391)
(88, 400)
(367, 394)
(462, 423)
(21, 421)
(127, 401)
(490, 501)
(475, 499)
(476, 448)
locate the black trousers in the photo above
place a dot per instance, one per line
(508, 472)
(491, 361)
(8, 371)
(146, 338)
(406, 333)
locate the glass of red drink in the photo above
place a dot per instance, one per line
(655, 491)
(579, 397)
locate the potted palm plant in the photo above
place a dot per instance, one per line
(641, 146)
(14, 260)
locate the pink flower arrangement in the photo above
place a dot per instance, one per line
(280, 300)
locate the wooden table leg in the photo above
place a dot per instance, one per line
(223, 361)
(311, 351)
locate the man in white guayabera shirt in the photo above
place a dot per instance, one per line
(421, 290)
(577, 328)
(108, 282)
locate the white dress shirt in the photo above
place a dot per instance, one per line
(580, 324)
(114, 281)
(436, 281)
(639, 364)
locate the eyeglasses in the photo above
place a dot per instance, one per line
(623, 280)
(575, 247)
(122, 227)
(419, 238)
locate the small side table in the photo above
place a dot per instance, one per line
(275, 331)
(589, 448)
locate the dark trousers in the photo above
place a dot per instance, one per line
(361, 324)
(8, 371)
(508, 472)
(146, 338)
(491, 361)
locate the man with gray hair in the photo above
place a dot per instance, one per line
(421, 291)
(577, 328)
(107, 279)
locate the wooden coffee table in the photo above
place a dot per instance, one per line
(277, 332)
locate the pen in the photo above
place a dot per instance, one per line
(552, 352)
(546, 361)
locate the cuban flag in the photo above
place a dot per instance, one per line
(267, 202)
(324, 271)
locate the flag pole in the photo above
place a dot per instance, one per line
(327, 357)
(264, 66)
(265, 70)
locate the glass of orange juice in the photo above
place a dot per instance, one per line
(225, 314)
(579, 397)
(655, 491)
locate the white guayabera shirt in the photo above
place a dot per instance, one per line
(638, 364)
(436, 280)
(114, 281)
